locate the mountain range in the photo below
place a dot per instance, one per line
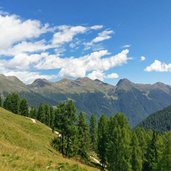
(136, 101)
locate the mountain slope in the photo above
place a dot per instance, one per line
(159, 121)
(136, 101)
(25, 145)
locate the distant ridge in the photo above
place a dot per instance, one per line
(136, 101)
(159, 121)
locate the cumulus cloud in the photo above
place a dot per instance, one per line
(101, 75)
(13, 30)
(25, 54)
(113, 75)
(79, 67)
(104, 35)
(142, 58)
(96, 75)
(158, 66)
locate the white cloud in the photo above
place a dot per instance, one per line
(96, 27)
(158, 66)
(13, 30)
(113, 75)
(96, 75)
(142, 58)
(79, 67)
(126, 46)
(25, 47)
(101, 75)
(67, 33)
(23, 50)
(104, 35)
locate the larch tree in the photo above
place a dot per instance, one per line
(93, 132)
(118, 146)
(102, 140)
(24, 107)
(83, 136)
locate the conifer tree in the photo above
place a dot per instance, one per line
(93, 132)
(0, 101)
(102, 140)
(66, 114)
(152, 154)
(24, 107)
(52, 118)
(46, 115)
(41, 113)
(83, 136)
(118, 147)
(136, 153)
(142, 139)
(12, 103)
(165, 163)
(32, 112)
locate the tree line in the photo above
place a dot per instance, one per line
(117, 145)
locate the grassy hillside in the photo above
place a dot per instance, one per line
(25, 145)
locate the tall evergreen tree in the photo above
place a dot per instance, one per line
(142, 139)
(136, 153)
(0, 101)
(83, 136)
(102, 139)
(93, 132)
(52, 118)
(165, 163)
(12, 103)
(152, 154)
(119, 149)
(41, 113)
(33, 112)
(24, 107)
(46, 115)
(66, 114)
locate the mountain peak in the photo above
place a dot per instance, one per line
(124, 81)
(40, 83)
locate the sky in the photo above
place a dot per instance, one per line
(100, 39)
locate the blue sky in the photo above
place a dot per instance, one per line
(104, 39)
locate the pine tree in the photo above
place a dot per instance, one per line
(93, 132)
(12, 103)
(83, 136)
(46, 115)
(142, 139)
(152, 154)
(0, 101)
(41, 113)
(102, 140)
(118, 147)
(165, 163)
(52, 118)
(32, 112)
(136, 153)
(66, 115)
(24, 107)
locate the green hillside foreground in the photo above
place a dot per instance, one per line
(25, 145)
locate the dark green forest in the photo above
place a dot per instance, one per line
(159, 121)
(118, 147)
